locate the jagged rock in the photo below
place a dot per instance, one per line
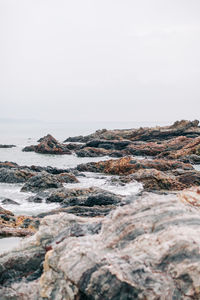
(41, 181)
(179, 128)
(146, 250)
(48, 145)
(12, 175)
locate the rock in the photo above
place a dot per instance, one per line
(92, 152)
(11, 225)
(128, 165)
(154, 180)
(19, 264)
(179, 128)
(13, 175)
(40, 182)
(7, 146)
(48, 145)
(146, 250)
(9, 201)
(191, 148)
(67, 178)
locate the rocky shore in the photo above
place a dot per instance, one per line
(100, 244)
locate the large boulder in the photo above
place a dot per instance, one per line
(146, 250)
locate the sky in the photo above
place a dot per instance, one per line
(108, 60)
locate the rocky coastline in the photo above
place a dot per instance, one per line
(100, 244)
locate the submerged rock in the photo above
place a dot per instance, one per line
(7, 146)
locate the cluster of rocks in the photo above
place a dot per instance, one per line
(155, 175)
(145, 250)
(178, 141)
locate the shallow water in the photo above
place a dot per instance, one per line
(9, 243)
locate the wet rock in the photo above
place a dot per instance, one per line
(146, 250)
(13, 175)
(9, 201)
(48, 145)
(41, 181)
(84, 197)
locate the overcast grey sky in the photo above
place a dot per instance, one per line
(106, 60)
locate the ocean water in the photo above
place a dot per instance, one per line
(27, 133)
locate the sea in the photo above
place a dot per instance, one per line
(26, 132)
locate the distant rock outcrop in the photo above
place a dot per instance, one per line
(48, 145)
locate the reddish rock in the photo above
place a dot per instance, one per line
(48, 145)
(128, 165)
(11, 225)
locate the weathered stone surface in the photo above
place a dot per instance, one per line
(48, 145)
(19, 264)
(146, 250)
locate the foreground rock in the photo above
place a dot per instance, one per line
(11, 225)
(48, 145)
(179, 128)
(146, 250)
